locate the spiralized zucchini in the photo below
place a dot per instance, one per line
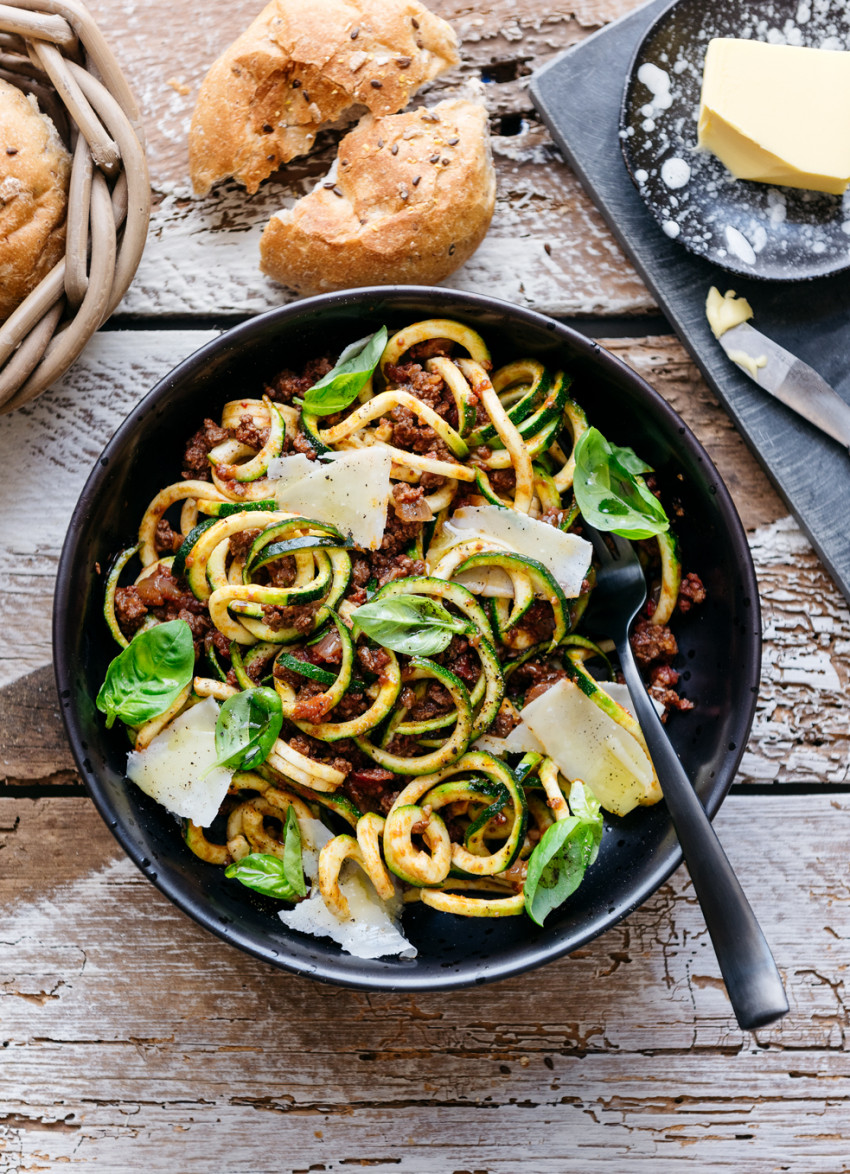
(273, 595)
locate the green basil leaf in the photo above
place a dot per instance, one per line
(341, 386)
(247, 727)
(630, 461)
(610, 492)
(150, 674)
(566, 850)
(292, 866)
(413, 624)
(264, 874)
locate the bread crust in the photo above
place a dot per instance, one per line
(410, 199)
(35, 170)
(301, 65)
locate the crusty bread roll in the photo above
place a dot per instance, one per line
(301, 65)
(409, 199)
(35, 169)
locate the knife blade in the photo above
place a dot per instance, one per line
(788, 379)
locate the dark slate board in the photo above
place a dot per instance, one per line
(579, 96)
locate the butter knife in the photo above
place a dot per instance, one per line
(788, 379)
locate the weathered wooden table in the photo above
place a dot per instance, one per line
(134, 1041)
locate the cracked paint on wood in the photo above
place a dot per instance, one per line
(137, 1041)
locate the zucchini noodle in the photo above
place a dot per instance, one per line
(382, 746)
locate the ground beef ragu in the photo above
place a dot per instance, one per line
(691, 592)
(196, 465)
(288, 386)
(247, 432)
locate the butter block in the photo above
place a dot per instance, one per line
(778, 113)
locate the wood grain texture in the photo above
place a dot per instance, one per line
(547, 247)
(133, 1040)
(802, 731)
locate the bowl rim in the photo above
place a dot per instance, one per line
(341, 970)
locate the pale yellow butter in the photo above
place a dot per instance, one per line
(778, 113)
(725, 312)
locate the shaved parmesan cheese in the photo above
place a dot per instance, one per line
(589, 745)
(521, 740)
(350, 490)
(566, 555)
(373, 930)
(170, 768)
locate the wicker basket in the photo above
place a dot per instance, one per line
(54, 49)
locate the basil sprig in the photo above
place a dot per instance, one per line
(611, 492)
(557, 865)
(247, 727)
(413, 624)
(341, 386)
(271, 875)
(150, 674)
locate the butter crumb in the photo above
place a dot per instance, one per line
(179, 86)
(749, 363)
(724, 312)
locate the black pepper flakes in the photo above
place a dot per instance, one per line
(394, 149)
(355, 33)
(445, 161)
(306, 96)
(403, 62)
(336, 191)
(11, 150)
(296, 84)
(451, 248)
(453, 142)
(267, 129)
(416, 180)
(329, 186)
(380, 143)
(434, 159)
(414, 22)
(375, 84)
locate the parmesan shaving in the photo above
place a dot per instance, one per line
(373, 930)
(350, 490)
(589, 745)
(170, 768)
(566, 555)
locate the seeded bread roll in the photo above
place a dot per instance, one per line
(409, 199)
(302, 65)
(35, 169)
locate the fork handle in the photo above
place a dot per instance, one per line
(752, 979)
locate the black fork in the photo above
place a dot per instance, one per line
(752, 980)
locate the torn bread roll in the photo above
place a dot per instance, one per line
(35, 169)
(409, 199)
(304, 64)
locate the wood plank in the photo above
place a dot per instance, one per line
(134, 1040)
(547, 248)
(801, 731)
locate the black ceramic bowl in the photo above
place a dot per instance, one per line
(719, 642)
